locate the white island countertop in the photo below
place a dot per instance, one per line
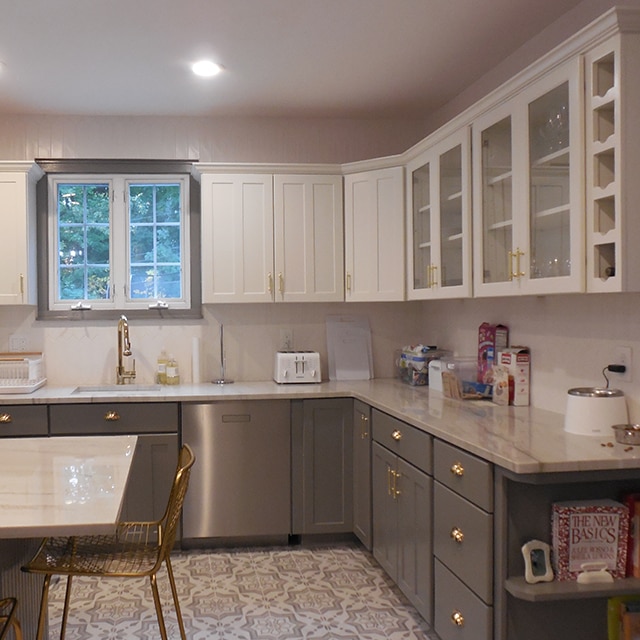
(62, 486)
(522, 440)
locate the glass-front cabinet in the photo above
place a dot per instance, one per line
(439, 220)
(528, 202)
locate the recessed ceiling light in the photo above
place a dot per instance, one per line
(206, 68)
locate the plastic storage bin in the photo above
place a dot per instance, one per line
(412, 363)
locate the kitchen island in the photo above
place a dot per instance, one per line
(62, 486)
(501, 466)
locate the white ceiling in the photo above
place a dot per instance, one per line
(281, 57)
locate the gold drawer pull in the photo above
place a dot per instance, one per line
(457, 618)
(396, 435)
(5, 418)
(364, 432)
(457, 535)
(457, 469)
(112, 416)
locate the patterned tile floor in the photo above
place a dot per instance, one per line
(284, 593)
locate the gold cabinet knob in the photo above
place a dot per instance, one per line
(457, 469)
(457, 535)
(5, 418)
(457, 618)
(396, 435)
(112, 416)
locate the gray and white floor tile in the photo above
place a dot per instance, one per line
(284, 593)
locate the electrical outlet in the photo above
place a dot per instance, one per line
(17, 343)
(622, 355)
(286, 339)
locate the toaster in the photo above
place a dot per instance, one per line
(297, 366)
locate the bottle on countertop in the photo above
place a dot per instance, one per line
(173, 373)
(161, 367)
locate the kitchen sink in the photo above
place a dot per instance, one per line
(122, 389)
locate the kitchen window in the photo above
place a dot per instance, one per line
(118, 241)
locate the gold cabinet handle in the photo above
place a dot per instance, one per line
(396, 435)
(270, 282)
(457, 535)
(396, 491)
(348, 281)
(457, 618)
(364, 431)
(390, 473)
(5, 418)
(457, 469)
(280, 283)
(518, 273)
(112, 416)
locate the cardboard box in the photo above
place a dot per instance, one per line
(491, 339)
(517, 361)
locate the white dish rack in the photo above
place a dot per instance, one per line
(21, 372)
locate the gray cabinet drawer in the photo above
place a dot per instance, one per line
(114, 418)
(409, 443)
(23, 420)
(454, 601)
(464, 473)
(463, 540)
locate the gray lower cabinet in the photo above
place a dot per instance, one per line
(463, 544)
(23, 421)
(156, 456)
(402, 498)
(362, 472)
(322, 466)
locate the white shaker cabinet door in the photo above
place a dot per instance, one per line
(374, 235)
(17, 229)
(237, 238)
(308, 238)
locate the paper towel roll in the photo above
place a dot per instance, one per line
(196, 375)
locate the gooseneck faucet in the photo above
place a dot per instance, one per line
(124, 349)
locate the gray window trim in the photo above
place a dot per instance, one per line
(108, 166)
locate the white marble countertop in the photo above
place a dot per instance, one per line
(62, 486)
(519, 439)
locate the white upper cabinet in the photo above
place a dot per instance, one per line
(528, 189)
(439, 220)
(18, 278)
(309, 252)
(237, 238)
(374, 235)
(613, 157)
(271, 238)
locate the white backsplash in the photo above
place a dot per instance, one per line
(572, 339)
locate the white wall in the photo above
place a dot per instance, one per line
(330, 140)
(571, 338)
(86, 353)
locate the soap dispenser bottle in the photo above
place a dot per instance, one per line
(173, 374)
(161, 367)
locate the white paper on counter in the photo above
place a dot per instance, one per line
(349, 348)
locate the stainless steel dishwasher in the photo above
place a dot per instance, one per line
(240, 486)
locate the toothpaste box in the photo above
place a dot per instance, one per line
(491, 339)
(517, 361)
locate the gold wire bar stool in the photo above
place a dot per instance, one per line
(8, 619)
(137, 549)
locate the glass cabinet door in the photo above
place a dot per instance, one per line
(528, 190)
(549, 201)
(497, 202)
(422, 213)
(439, 219)
(451, 221)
